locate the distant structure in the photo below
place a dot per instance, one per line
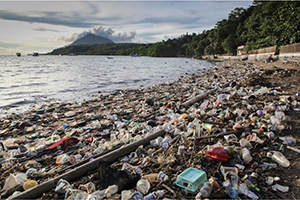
(240, 50)
(72, 54)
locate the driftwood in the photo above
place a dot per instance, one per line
(197, 98)
(202, 96)
(220, 134)
(82, 170)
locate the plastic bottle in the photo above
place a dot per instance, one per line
(279, 114)
(166, 142)
(244, 190)
(181, 151)
(80, 195)
(274, 120)
(161, 177)
(279, 158)
(99, 194)
(62, 186)
(88, 187)
(155, 195)
(268, 165)
(261, 91)
(230, 190)
(136, 196)
(289, 140)
(111, 190)
(246, 156)
(205, 190)
(75, 158)
(245, 143)
(143, 186)
(126, 194)
(280, 188)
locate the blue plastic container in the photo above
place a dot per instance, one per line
(191, 179)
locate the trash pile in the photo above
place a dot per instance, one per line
(222, 133)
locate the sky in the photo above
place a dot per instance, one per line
(41, 26)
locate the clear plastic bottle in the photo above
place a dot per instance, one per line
(155, 195)
(245, 143)
(230, 190)
(111, 190)
(166, 142)
(62, 186)
(205, 190)
(246, 156)
(99, 194)
(244, 190)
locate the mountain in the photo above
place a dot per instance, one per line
(91, 39)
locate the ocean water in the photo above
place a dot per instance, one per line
(28, 80)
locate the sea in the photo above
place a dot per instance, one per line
(32, 81)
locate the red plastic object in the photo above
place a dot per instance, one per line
(218, 154)
(67, 141)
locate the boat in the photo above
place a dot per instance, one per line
(135, 55)
(18, 54)
(110, 57)
(35, 54)
(72, 54)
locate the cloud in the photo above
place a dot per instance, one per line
(8, 45)
(101, 31)
(45, 29)
(54, 18)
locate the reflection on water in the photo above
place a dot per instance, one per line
(32, 80)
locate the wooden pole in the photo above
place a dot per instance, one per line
(82, 170)
(197, 98)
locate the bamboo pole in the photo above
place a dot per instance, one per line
(82, 170)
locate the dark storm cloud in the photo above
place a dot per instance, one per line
(45, 29)
(55, 18)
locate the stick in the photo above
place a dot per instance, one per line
(201, 96)
(168, 188)
(197, 98)
(220, 134)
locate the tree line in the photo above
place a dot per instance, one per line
(263, 24)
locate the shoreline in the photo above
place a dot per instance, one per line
(88, 88)
(142, 111)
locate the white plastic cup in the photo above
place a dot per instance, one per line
(280, 158)
(143, 186)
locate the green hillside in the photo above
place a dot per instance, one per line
(264, 24)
